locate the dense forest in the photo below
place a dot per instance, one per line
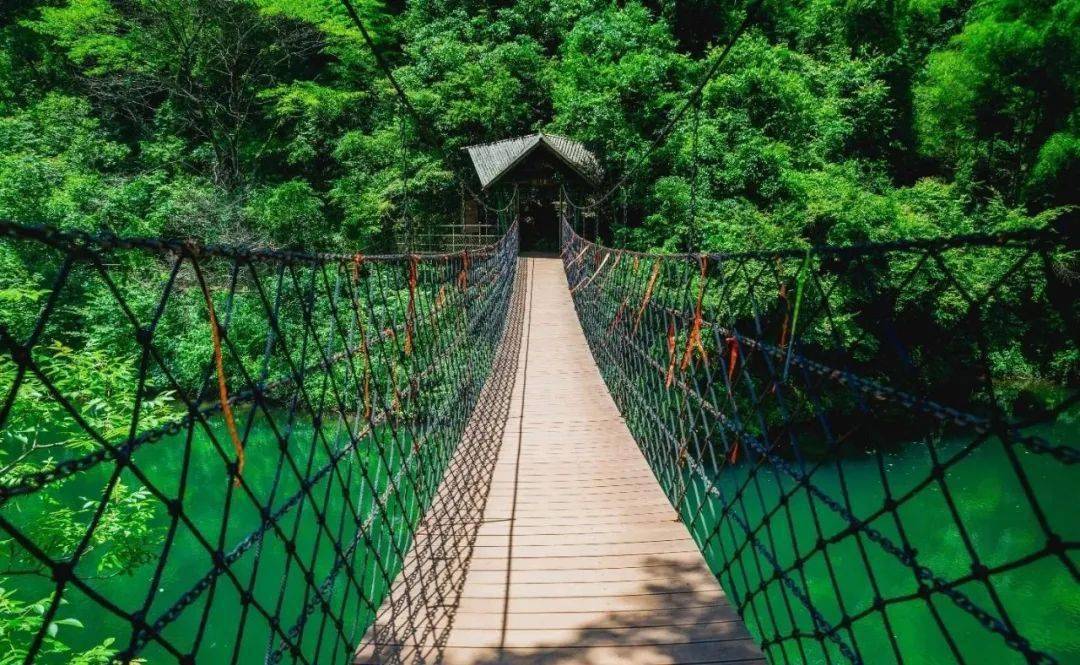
(268, 122)
(272, 124)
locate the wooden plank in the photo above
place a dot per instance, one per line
(686, 600)
(731, 652)
(589, 588)
(598, 636)
(651, 635)
(644, 576)
(567, 536)
(577, 557)
(635, 535)
(628, 619)
(614, 550)
(665, 564)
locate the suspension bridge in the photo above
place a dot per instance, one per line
(605, 456)
(816, 454)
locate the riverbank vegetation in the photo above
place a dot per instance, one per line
(269, 124)
(267, 121)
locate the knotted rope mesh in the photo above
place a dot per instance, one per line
(223, 454)
(447, 536)
(874, 447)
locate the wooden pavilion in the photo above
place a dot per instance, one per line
(530, 174)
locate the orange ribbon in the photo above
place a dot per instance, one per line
(440, 300)
(618, 314)
(357, 259)
(734, 455)
(587, 281)
(733, 357)
(693, 340)
(648, 294)
(581, 254)
(463, 276)
(223, 390)
(671, 354)
(618, 259)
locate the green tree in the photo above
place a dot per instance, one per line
(998, 106)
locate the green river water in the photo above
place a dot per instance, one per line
(279, 584)
(1040, 596)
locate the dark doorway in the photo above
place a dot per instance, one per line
(539, 231)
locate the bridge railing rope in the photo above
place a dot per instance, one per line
(220, 453)
(872, 445)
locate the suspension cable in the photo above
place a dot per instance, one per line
(692, 233)
(406, 214)
(693, 98)
(428, 136)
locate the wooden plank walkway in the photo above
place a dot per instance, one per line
(578, 557)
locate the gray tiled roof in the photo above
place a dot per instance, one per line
(492, 160)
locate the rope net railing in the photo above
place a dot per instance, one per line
(875, 447)
(447, 537)
(222, 454)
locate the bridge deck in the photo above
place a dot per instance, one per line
(577, 557)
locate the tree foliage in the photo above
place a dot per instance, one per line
(268, 123)
(202, 117)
